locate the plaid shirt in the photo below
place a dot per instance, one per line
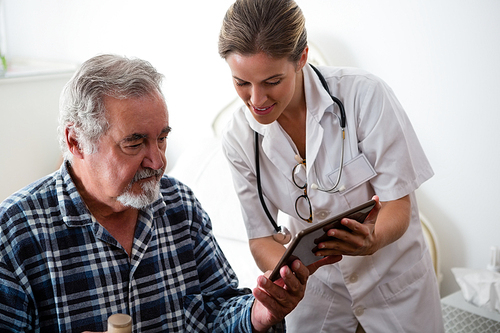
(61, 271)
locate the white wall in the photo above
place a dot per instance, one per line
(177, 37)
(28, 124)
(440, 57)
(442, 60)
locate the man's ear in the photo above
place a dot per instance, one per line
(72, 142)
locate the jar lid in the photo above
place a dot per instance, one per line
(119, 320)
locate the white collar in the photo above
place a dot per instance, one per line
(275, 143)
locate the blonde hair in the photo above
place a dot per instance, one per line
(275, 27)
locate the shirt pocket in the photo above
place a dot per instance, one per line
(354, 173)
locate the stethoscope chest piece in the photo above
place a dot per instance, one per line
(283, 236)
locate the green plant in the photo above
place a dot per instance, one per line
(4, 62)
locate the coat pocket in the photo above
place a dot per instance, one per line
(354, 173)
(408, 279)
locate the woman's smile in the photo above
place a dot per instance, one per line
(263, 110)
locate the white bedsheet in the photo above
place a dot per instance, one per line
(203, 167)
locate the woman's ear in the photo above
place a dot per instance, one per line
(72, 142)
(303, 59)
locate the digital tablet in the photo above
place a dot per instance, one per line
(304, 244)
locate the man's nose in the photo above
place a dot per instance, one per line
(155, 158)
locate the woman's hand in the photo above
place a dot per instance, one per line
(386, 223)
(328, 260)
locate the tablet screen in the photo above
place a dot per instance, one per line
(303, 245)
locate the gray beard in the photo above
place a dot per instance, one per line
(151, 190)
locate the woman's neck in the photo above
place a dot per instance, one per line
(293, 119)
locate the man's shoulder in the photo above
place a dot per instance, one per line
(177, 196)
(173, 190)
(34, 196)
(171, 186)
(23, 211)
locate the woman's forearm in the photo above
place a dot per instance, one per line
(393, 220)
(266, 252)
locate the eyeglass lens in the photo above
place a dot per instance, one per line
(302, 203)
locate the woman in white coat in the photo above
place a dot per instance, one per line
(385, 281)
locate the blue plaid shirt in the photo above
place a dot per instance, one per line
(61, 271)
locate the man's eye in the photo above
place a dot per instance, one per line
(134, 146)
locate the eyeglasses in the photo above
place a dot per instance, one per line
(303, 197)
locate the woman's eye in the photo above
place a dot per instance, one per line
(271, 83)
(241, 84)
(274, 83)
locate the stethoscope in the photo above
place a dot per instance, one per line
(282, 234)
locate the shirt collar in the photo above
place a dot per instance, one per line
(318, 100)
(74, 211)
(274, 143)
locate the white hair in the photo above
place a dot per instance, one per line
(81, 105)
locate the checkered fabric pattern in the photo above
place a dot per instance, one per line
(61, 271)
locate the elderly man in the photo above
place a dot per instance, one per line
(109, 233)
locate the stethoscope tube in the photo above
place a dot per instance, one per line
(335, 99)
(282, 234)
(259, 187)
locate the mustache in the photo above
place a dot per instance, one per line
(146, 173)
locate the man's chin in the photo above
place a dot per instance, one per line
(147, 195)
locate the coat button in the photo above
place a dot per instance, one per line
(322, 214)
(353, 278)
(359, 311)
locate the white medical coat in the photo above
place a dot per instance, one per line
(393, 290)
